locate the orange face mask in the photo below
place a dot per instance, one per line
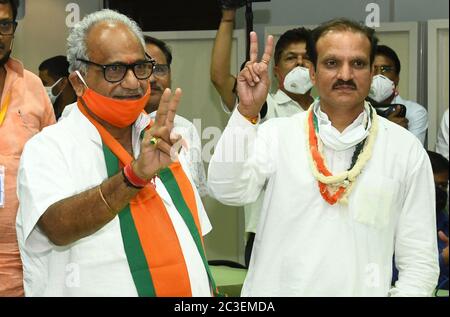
(119, 113)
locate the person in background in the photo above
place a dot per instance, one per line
(54, 73)
(221, 77)
(160, 80)
(291, 69)
(442, 138)
(24, 111)
(441, 174)
(384, 90)
(440, 168)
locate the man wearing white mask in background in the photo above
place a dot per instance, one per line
(384, 90)
(54, 73)
(292, 72)
(291, 68)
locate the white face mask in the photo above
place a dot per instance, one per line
(382, 88)
(340, 141)
(50, 91)
(298, 81)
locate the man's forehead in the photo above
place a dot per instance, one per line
(155, 52)
(113, 42)
(442, 174)
(295, 48)
(337, 37)
(45, 76)
(5, 11)
(340, 43)
(383, 60)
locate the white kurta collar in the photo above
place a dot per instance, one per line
(282, 99)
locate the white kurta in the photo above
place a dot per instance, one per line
(61, 161)
(281, 105)
(442, 138)
(306, 247)
(417, 117)
(278, 105)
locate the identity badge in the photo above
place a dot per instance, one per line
(2, 186)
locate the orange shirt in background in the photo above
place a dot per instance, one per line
(29, 111)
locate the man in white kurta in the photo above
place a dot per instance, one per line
(73, 232)
(64, 160)
(305, 246)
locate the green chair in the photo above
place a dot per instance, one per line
(441, 293)
(229, 276)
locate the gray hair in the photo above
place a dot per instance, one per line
(76, 42)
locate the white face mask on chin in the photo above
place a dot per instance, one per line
(50, 91)
(297, 81)
(340, 141)
(344, 141)
(381, 89)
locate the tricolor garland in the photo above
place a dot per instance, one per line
(336, 188)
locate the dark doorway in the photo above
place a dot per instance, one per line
(170, 15)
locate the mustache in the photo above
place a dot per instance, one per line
(339, 83)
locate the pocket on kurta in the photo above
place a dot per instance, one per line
(375, 200)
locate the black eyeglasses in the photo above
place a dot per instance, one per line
(116, 72)
(7, 27)
(160, 70)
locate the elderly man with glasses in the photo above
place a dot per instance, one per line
(25, 109)
(106, 207)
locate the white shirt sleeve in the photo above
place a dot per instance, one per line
(205, 224)
(442, 138)
(416, 252)
(225, 108)
(241, 163)
(418, 120)
(197, 167)
(192, 152)
(42, 180)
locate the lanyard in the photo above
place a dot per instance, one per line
(4, 108)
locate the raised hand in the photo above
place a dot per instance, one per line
(253, 81)
(159, 141)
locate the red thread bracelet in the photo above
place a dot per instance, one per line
(133, 178)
